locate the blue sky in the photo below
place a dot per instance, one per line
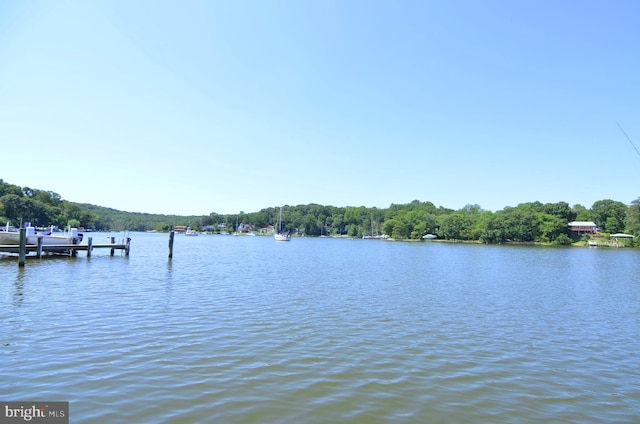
(194, 107)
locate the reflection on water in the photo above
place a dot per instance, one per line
(19, 287)
(243, 329)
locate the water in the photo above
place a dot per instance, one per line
(248, 330)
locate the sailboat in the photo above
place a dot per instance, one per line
(371, 235)
(279, 235)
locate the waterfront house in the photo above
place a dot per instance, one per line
(245, 228)
(269, 229)
(583, 227)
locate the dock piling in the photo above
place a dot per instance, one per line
(39, 248)
(23, 247)
(90, 246)
(171, 235)
(113, 241)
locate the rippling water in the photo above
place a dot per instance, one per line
(245, 329)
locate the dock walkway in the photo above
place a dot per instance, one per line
(60, 248)
(23, 249)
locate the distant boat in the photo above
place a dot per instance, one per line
(190, 232)
(280, 235)
(371, 235)
(429, 237)
(11, 236)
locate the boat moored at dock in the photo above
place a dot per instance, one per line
(11, 236)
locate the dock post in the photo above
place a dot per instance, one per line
(127, 246)
(39, 251)
(89, 246)
(171, 235)
(23, 247)
(113, 251)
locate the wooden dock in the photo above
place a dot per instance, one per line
(23, 249)
(62, 249)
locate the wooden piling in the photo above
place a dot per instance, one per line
(171, 235)
(127, 246)
(90, 246)
(23, 247)
(113, 241)
(39, 249)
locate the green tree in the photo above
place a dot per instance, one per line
(519, 224)
(609, 215)
(562, 239)
(6, 188)
(523, 225)
(632, 221)
(15, 207)
(614, 225)
(560, 210)
(400, 230)
(456, 226)
(388, 225)
(493, 230)
(581, 213)
(551, 227)
(419, 229)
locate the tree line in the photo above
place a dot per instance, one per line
(526, 222)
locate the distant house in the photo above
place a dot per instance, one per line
(583, 227)
(180, 228)
(245, 228)
(270, 229)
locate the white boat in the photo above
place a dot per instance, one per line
(71, 236)
(190, 232)
(11, 236)
(282, 237)
(279, 234)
